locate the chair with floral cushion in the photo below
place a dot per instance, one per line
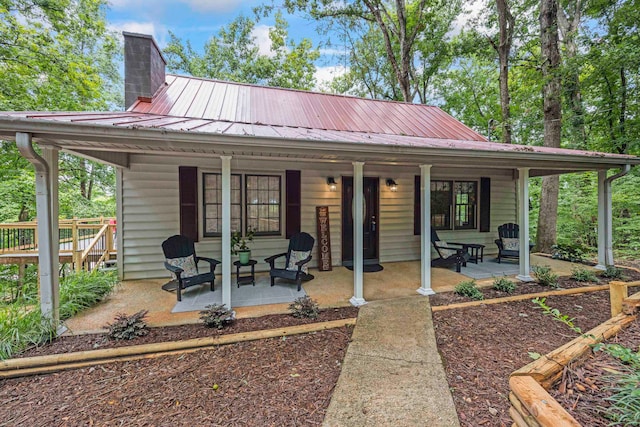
(182, 262)
(296, 259)
(509, 241)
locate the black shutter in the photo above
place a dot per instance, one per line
(293, 196)
(485, 204)
(188, 188)
(416, 206)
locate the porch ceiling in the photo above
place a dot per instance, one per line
(116, 132)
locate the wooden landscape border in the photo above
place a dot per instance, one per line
(531, 404)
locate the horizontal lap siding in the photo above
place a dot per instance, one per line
(151, 212)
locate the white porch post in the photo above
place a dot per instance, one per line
(48, 290)
(523, 213)
(226, 230)
(425, 234)
(358, 235)
(602, 220)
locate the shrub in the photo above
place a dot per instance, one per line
(217, 316)
(613, 272)
(21, 328)
(304, 307)
(468, 289)
(545, 276)
(572, 253)
(128, 327)
(81, 290)
(581, 274)
(503, 284)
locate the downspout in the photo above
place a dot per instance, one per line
(48, 283)
(609, 217)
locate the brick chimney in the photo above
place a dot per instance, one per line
(144, 67)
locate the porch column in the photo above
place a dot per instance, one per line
(425, 234)
(226, 230)
(358, 235)
(50, 155)
(46, 270)
(602, 220)
(523, 220)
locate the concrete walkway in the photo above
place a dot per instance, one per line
(392, 372)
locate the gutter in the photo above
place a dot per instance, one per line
(625, 170)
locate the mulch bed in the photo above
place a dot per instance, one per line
(584, 386)
(482, 345)
(279, 381)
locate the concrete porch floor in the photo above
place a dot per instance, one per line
(330, 289)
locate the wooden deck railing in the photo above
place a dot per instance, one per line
(89, 241)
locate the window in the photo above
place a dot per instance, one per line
(262, 198)
(465, 204)
(263, 203)
(454, 205)
(440, 205)
(212, 199)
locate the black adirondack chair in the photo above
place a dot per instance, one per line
(508, 231)
(448, 256)
(181, 247)
(299, 243)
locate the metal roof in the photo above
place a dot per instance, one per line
(197, 98)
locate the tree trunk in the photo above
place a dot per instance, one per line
(547, 220)
(506, 23)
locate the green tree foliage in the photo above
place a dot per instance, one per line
(233, 55)
(56, 55)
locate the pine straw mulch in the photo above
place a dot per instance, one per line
(278, 381)
(482, 345)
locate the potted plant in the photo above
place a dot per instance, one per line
(240, 245)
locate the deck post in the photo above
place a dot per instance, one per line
(48, 289)
(425, 231)
(523, 213)
(226, 230)
(358, 235)
(602, 220)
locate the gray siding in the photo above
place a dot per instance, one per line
(150, 211)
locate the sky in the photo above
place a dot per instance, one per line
(198, 20)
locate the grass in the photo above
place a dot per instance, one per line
(22, 324)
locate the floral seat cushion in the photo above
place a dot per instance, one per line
(295, 257)
(187, 264)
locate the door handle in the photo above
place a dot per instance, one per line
(373, 223)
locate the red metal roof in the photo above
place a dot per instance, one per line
(196, 98)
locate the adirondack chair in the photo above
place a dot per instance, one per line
(182, 262)
(448, 256)
(296, 259)
(508, 241)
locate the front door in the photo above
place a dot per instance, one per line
(371, 189)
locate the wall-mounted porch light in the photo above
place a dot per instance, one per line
(392, 184)
(332, 184)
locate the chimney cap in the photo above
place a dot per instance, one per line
(146, 36)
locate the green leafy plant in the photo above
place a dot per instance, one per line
(545, 276)
(240, 243)
(503, 284)
(304, 307)
(567, 252)
(128, 327)
(82, 290)
(613, 272)
(555, 313)
(22, 327)
(581, 274)
(217, 316)
(469, 289)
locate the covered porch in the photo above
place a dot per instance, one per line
(330, 289)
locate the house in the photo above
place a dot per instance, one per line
(203, 157)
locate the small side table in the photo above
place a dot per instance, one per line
(476, 252)
(247, 278)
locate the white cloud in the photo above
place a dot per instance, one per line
(212, 5)
(324, 75)
(260, 33)
(470, 13)
(159, 32)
